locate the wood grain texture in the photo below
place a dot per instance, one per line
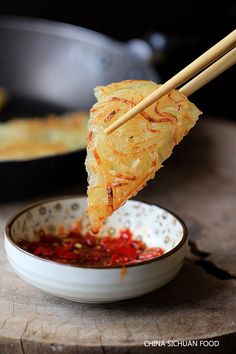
(198, 183)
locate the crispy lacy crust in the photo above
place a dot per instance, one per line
(36, 137)
(119, 165)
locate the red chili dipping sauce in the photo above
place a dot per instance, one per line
(88, 250)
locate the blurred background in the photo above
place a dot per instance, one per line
(186, 29)
(51, 67)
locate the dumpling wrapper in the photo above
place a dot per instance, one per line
(120, 164)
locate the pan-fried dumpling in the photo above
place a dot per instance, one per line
(120, 164)
(29, 138)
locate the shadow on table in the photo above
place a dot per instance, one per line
(192, 288)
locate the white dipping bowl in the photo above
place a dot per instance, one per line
(156, 226)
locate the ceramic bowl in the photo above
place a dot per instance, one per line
(156, 226)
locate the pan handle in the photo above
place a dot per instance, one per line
(155, 47)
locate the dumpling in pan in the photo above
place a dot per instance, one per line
(120, 164)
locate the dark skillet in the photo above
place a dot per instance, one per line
(51, 67)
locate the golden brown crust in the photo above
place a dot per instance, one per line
(36, 137)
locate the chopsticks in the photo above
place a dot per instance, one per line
(210, 73)
(204, 60)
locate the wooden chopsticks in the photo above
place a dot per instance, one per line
(210, 73)
(204, 60)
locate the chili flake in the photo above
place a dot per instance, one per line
(89, 250)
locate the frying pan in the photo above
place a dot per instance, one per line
(50, 67)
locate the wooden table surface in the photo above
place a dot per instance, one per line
(199, 184)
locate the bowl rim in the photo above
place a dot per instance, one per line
(8, 234)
